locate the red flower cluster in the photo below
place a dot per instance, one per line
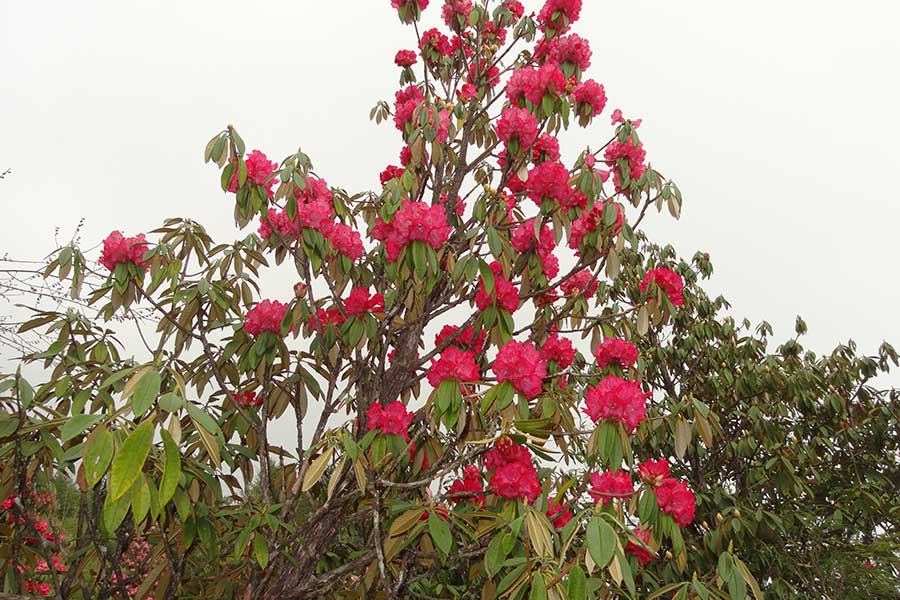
(118, 249)
(265, 316)
(415, 221)
(558, 514)
(469, 484)
(453, 364)
(405, 58)
(545, 148)
(390, 172)
(572, 49)
(642, 555)
(582, 282)
(671, 283)
(652, 472)
(633, 156)
(557, 15)
(618, 400)
(434, 46)
(465, 339)
(505, 293)
(517, 127)
(617, 350)
(406, 101)
(548, 180)
(591, 220)
(521, 364)
(523, 238)
(360, 302)
(248, 398)
(590, 98)
(393, 419)
(326, 318)
(453, 9)
(344, 239)
(609, 485)
(529, 84)
(674, 498)
(259, 171)
(514, 475)
(558, 349)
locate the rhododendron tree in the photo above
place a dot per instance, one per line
(469, 356)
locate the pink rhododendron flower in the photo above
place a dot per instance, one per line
(453, 363)
(618, 118)
(558, 349)
(618, 400)
(415, 221)
(653, 472)
(118, 249)
(406, 101)
(465, 339)
(572, 49)
(514, 475)
(248, 398)
(265, 316)
(434, 45)
(558, 514)
(345, 239)
(591, 220)
(390, 172)
(523, 239)
(616, 350)
(546, 148)
(548, 180)
(467, 92)
(668, 281)
(515, 7)
(582, 282)
(633, 156)
(409, 11)
(517, 126)
(405, 58)
(642, 555)
(393, 419)
(360, 302)
(505, 295)
(590, 98)
(455, 9)
(674, 498)
(532, 84)
(469, 484)
(521, 364)
(259, 171)
(325, 318)
(558, 15)
(609, 485)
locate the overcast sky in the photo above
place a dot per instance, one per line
(778, 119)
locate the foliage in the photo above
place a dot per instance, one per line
(434, 462)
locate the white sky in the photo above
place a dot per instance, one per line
(778, 119)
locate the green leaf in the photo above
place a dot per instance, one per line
(77, 425)
(140, 499)
(98, 452)
(130, 459)
(26, 392)
(114, 512)
(145, 392)
(171, 402)
(440, 533)
(601, 541)
(202, 417)
(261, 550)
(538, 588)
(577, 584)
(171, 468)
